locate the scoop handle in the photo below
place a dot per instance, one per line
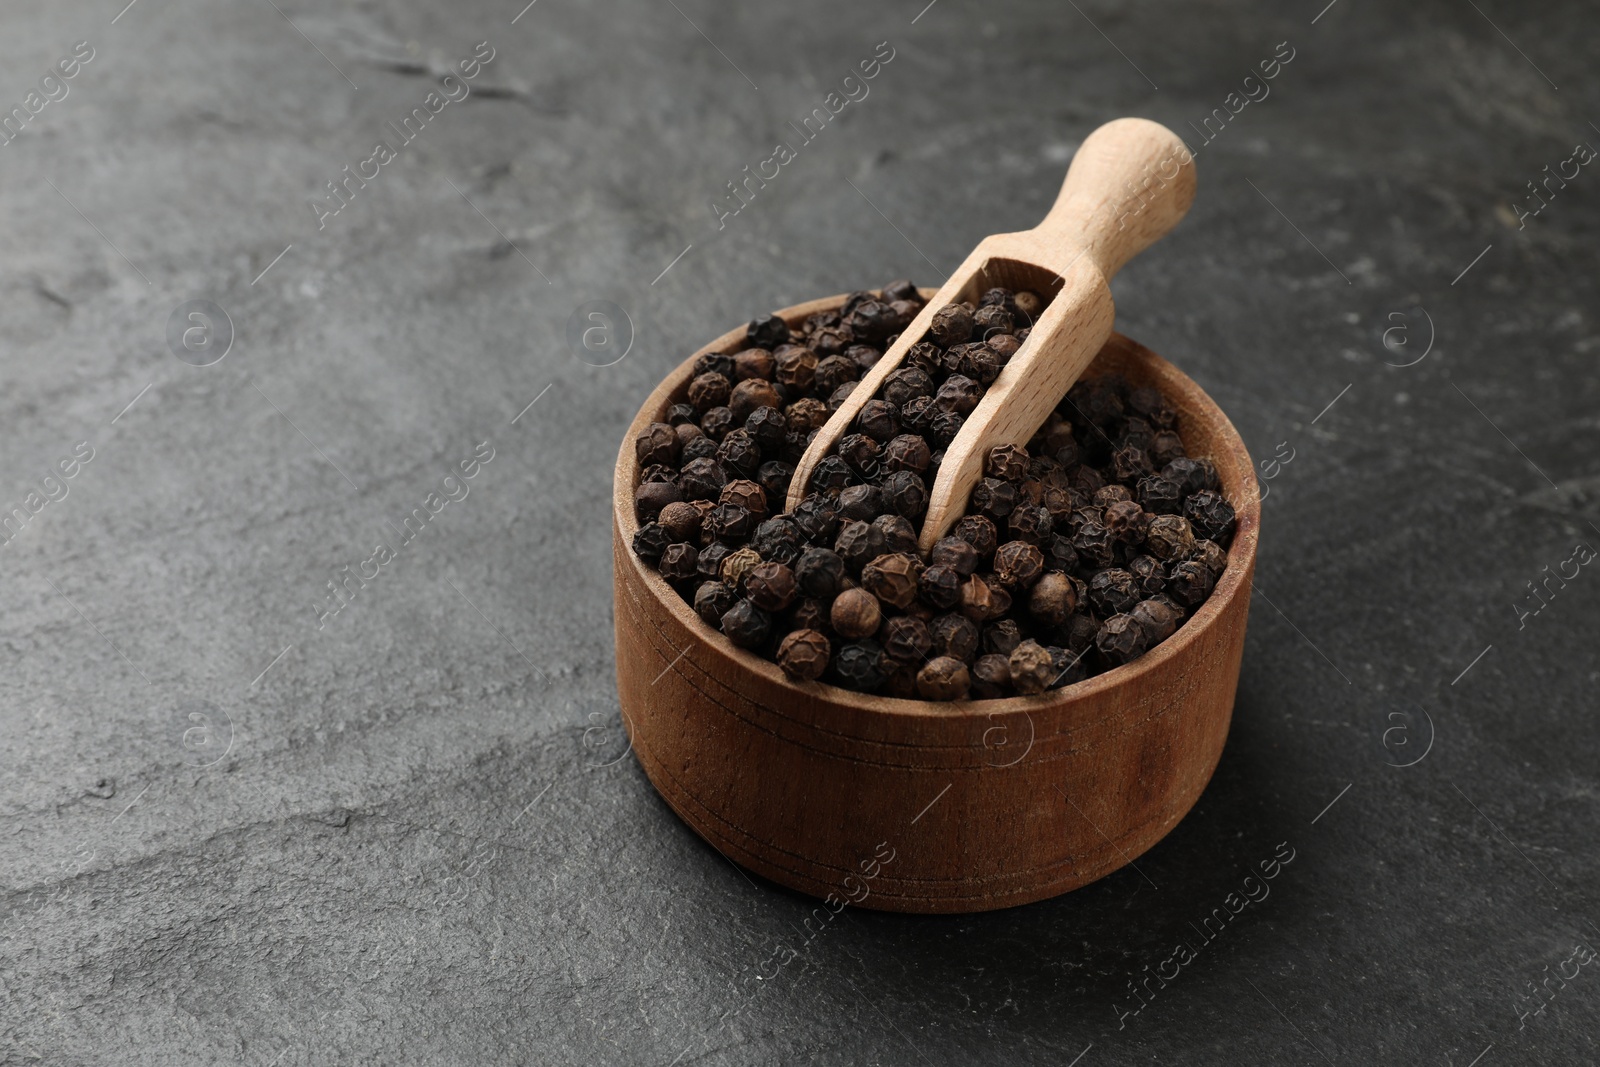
(1131, 182)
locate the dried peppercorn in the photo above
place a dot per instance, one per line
(832, 473)
(1002, 636)
(1094, 544)
(1165, 447)
(906, 493)
(809, 613)
(943, 678)
(1186, 474)
(1009, 463)
(699, 448)
(926, 356)
(818, 517)
(678, 562)
(746, 625)
(796, 367)
(1210, 514)
(651, 497)
(1121, 639)
(832, 340)
(992, 320)
(1059, 555)
(1160, 495)
(898, 533)
(991, 676)
(746, 494)
(861, 452)
(1069, 667)
(835, 371)
(737, 564)
(1128, 522)
(1030, 524)
(955, 636)
(718, 423)
(1208, 552)
(879, 420)
(774, 476)
(1170, 538)
(750, 394)
(940, 585)
(1028, 305)
(806, 414)
(709, 564)
(1189, 582)
(1032, 668)
(905, 384)
(863, 502)
(820, 572)
(978, 531)
(855, 613)
(770, 586)
(778, 540)
(803, 655)
(710, 390)
(943, 426)
(872, 320)
(907, 452)
(907, 638)
(1053, 598)
(1113, 591)
(753, 363)
(951, 551)
(982, 599)
(1149, 575)
(993, 498)
(1018, 564)
(769, 332)
(860, 665)
(739, 454)
(682, 415)
(958, 394)
(713, 600)
(681, 519)
(650, 541)
(657, 443)
(951, 325)
(892, 578)
(1157, 619)
(917, 414)
(859, 543)
(730, 523)
(702, 479)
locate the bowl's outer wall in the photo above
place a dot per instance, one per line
(982, 805)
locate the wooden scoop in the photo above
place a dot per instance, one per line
(1131, 181)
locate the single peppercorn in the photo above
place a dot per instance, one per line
(1121, 639)
(778, 540)
(803, 655)
(1213, 555)
(746, 494)
(907, 452)
(879, 420)
(682, 415)
(796, 367)
(1210, 514)
(860, 665)
(898, 533)
(835, 371)
(1157, 619)
(1189, 582)
(1149, 574)
(769, 332)
(1170, 537)
(940, 586)
(993, 498)
(820, 572)
(709, 390)
(951, 325)
(861, 452)
(951, 551)
(905, 384)
(1009, 463)
(1031, 524)
(713, 600)
(1113, 591)
(1094, 544)
(943, 427)
(978, 531)
(657, 443)
(774, 476)
(806, 414)
(855, 613)
(681, 519)
(1018, 564)
(737, 564)
(746, 625)
(702, 479)
(818, 518)
(709, 564)
(770, 586)
(699, 448)
(651, 541)
(955, 636)
(651, 497)
(1032, 668)
(943, 678)
(730, 523)
(892, 578)
(1186, 474)
(991, 677)
(992, 320)
(958, 394)
(917, 414)
(1127, 521)
(832, 473)
(678, 562)
(1053, 598)
(752, 363)
(859, 543)
(906, 493)
(982, 600)
(863, 502)
(1160, 495)
(809, 613)
(750, 394)
(907, 638)
(739, 454)
(1002, 636)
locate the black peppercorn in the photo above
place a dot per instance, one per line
(657, 443)
(1189, 582)
(746, 625)
(1127, 521)
(1121, 639)
(1210, 514)
(1053, 599)
(991, 676)
(778, 540)
(907, 452)
(710, 390)
(737, 564)
(1018, 564)
(878, 420)
(955, 636)
(952, 325)
(898, 534)
(678, 562)
(806, 414)
(681, 519)
(710, 564)
(1157, 619)
(1186, 474)
(1032, 668)
(1009, 463)
(980, 532)
(943, 678)
(650, 541)
(993, 498)
(993, 320)
(774, 476)
(770, 586)
(835, 371)
(818, 517)
(1030, 524)
(859, 543)
(1160, 496)
(907, 638)
(712, 600)
(958, 394)
(863, 502)
(820, 572)
(861, 452)
(892, 578)
(955, 553)
(730, 523)
(769, 332)
(1094, 544)
(1208, 552)
(940, 585)
(702, 479)
(905, 384)
(754, 362)
(917, 414)
(1149, 575)
(860, 666)
(906, 493)
(809, 613)
(750, 394)
(983, 598)
(699, 448)
(651, 497)
(943, 426)
(803, 655)
(1002, 637)
(855, 613)
(1170, 537)
(1113, 591)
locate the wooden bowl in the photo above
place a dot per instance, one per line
(906, 805)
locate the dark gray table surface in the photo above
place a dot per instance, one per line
(410, 832)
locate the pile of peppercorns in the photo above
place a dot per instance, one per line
(1077, 554)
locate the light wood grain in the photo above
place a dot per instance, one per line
(1131, 181)
(986, 804)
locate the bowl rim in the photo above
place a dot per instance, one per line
(1234, 578)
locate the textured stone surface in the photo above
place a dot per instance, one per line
(417, 836)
